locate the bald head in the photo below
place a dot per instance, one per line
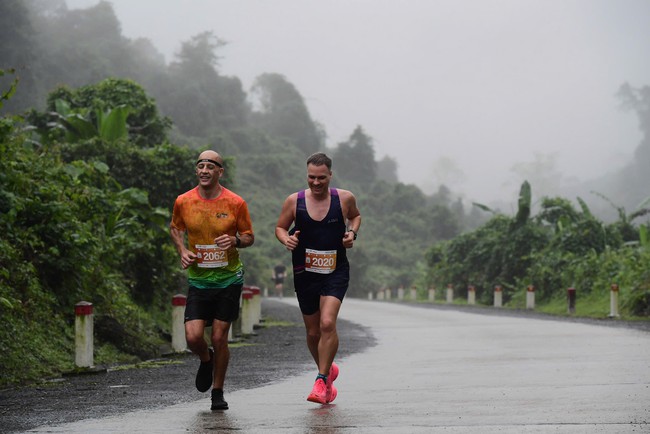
(210, 156)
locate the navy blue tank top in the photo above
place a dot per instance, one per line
(326, 234)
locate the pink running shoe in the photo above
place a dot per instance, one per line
(333, 394)
(318, 393)
(333, 374)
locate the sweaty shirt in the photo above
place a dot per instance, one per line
(204, 220)
(324, 235)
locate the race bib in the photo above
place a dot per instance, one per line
(210, 256)
(320, 261)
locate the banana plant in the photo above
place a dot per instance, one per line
(78, 125)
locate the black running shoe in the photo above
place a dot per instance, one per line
(218, 403)
(204, 374)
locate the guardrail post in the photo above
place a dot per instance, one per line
(83, 331)
(432, 294)
(380, 294)
(257, 305)
(414, 293)
(400, 293)
(450, 293)
(571, 300)
(369, 295)
(530, 297)
(387, 293)
(498, 296)
(613, 301)
(471, 294)
(246, 311)
(179, 343)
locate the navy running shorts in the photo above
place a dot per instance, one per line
(210, 304)
(311, 286)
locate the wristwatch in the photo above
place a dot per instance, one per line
(237, 241)
(354, 232)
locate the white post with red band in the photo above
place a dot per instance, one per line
(400, 293)
(257, 305)
(414, 293)
(179, 343)
(387, 293)
(471, 294)
(247, 314)
(613, 301)
(530, 297)
(83, 332)
(450, 293)
(432, 294)
(498, 296)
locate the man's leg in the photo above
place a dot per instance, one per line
(323, 343)
(312, 327)
(221, 352)
(328, 344)
(194, 330)
(322, 338)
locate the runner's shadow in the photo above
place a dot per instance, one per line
(323, 420)
(212, 421)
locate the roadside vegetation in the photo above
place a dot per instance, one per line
(98, 135)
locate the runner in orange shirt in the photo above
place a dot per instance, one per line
(217, 223)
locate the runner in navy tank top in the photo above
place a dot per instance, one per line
(326, 224)
(326, 234)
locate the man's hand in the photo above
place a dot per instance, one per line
(292, 242)
(187, 258)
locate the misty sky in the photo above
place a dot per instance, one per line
(457, 91)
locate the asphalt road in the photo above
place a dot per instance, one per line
(435, 369)
(276, 352)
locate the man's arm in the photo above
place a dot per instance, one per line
(178, 238)
(352, 216)
(287, 217)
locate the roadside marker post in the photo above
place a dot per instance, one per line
(471, 294)
(498, 296)
(571, 300)
(179, 343)
(450, 293)
(530, 297)
(83, 331)
(613, 301)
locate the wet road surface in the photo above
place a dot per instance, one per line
(440, 371)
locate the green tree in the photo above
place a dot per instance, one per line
(199, 99)
(92, 104)
(355, 159)
(19, 51)
(387, 169)
(283, 113)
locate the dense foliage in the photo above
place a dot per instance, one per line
(559, 248)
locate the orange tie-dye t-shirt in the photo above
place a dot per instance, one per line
(204, 220)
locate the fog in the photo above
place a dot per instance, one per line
(457, 92)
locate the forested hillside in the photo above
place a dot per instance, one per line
(99, 135)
